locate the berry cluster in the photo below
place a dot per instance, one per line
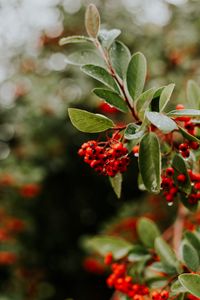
(184, 148)
(107, 158)
(171, 189)
(120, 281)
(163, 295)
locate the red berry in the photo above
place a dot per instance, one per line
(192, 199)
(197, 186)
(170, 171)
(108, 258)
(181, 178)
(173, 191)
(164, 295)
(183, 147)
(194, 145)
(169, 198)
(185, 153)
(183, 119)
(180, 106)
(136, 149)
(81, 152)
(189, 126)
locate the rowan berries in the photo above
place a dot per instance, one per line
(163, 295)
(106, 158)
(122, 282)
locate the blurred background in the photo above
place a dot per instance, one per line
(50, 200)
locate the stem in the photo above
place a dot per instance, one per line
(178, 228)
(117, 79)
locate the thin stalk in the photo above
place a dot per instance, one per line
(117, 79)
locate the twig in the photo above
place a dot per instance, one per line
(117, 79)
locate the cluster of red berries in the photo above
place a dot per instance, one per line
(107, 158)
(120, 281)
(163, 295)
(184, 148)
(171, 190)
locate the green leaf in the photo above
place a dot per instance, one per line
(156, 282)
(184, 112)
(141, 185)
(187, 135)
(104, 244)
(177, 287)
(101, 75)
(143, 102)
(193, 239)
(166, 254)
(112, 98)
(191, 282)
(83, 57)
(190, 256)
(161, 121)
(147, 231)
(92, 20)
(193, 94)
(74, 39)
(160, 267)
(133, 132)
(180, 167)
(138, 253)
(156, 98)
(107, 37)
(165, 96)
(150, 162)
(116, 183)
(89, 122)
(120, 57)
(136, 75)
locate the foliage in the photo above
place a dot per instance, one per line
(166, 143)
